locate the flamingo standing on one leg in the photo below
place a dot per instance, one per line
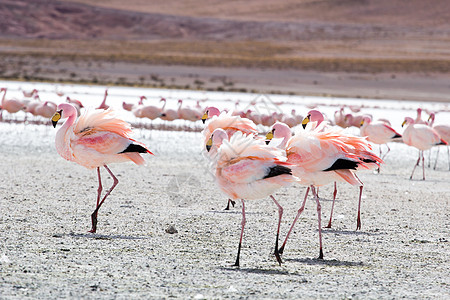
(96, 139)
(247, 169)
(323, 156)
(422, 137)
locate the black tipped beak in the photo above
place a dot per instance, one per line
(304, 126)
(267, 142)
(54, 123)
(203, 121)
(208, 147)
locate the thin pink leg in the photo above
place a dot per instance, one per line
(94, 214)
(100, 187)
(358, 218)
(332, 205)
(295, 220)
(417, 163)
(280, 214)
(319, 216)
(236, 264)
(437, 156)
(423, 165)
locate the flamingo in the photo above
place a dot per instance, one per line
(378, 133)
(96, 139)
(339, 118)
(76, 103)
(444, 132)
(187, 113)
(231, 125)
(149, 111)
(421, 137)
(46, 109)
(11, 105)
(322, 156)
(30, 94)
(168, 114)
(418, 119)
(103, 105)
(247, 169)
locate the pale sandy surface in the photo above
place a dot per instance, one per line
(402, 250)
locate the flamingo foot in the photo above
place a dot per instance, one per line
(94, 222)
(278, 256)
(281, 250)
(320, 254)
(236, 264)
(358, 223)
(228, 204)
(329, 225)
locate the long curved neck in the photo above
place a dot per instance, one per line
(104, 100)
(4, 95)
(62, 138)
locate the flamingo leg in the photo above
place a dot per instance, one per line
(100, 187)
(228, 204)
(423, 165)
(435, 162)
(319, 216)
(448, 157)
(94, 214)
(236, 264)
(417, 163)
(358, 218)
(388, 150)
(295, 220)
(332, 205)
(280, 214)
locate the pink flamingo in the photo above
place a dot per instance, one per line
(339, 118)
(418, 119)
(11, 105)
(76, 103)
(30, 94)
(230, 124)
(46, 109)
(322, 156)
(444, 132)
(187, 113)
(422, 137)
(168, 114)
(31, 106)
(127, 106)
(378, 133)
(247, 169)
(149, 111)
(96, 139)
(103, 105)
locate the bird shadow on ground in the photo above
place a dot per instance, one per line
(96, 236)
(350, 232)
(327, 262)
(260, 271)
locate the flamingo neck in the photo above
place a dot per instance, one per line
(4, 95)
(63, 138)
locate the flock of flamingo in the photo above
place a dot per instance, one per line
(247, 164)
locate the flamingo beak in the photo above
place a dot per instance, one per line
(56, 118)
(269, 137)
(305, 121)
(204, 117)
(404, 122)
(362, 123)
(209, 144)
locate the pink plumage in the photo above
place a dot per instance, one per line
(96, 139)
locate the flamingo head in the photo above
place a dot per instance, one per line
(63, 111)
(209, 113)
(408, 121)
(279, 130)
(2, 90)
(313, 116)
(216, 139)
(431, 117)
(365, 120)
